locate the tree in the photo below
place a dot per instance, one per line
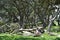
(28, 12)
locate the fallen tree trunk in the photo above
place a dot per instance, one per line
(26, 29)
(33, 29)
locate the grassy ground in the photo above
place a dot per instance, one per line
(18, 37)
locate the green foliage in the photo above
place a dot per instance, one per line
(56, 23)
(18, 37)
(26, 12)
(32, 11)
(1, 22)
(9, 28)
(55, 29)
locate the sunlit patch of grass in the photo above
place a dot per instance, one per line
(44, 36)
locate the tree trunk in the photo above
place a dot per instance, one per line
(51, 19)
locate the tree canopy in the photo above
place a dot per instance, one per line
(31, 13)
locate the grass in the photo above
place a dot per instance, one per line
(19, 37)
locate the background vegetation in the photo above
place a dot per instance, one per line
(29, 14)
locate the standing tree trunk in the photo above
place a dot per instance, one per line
(51, 19)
